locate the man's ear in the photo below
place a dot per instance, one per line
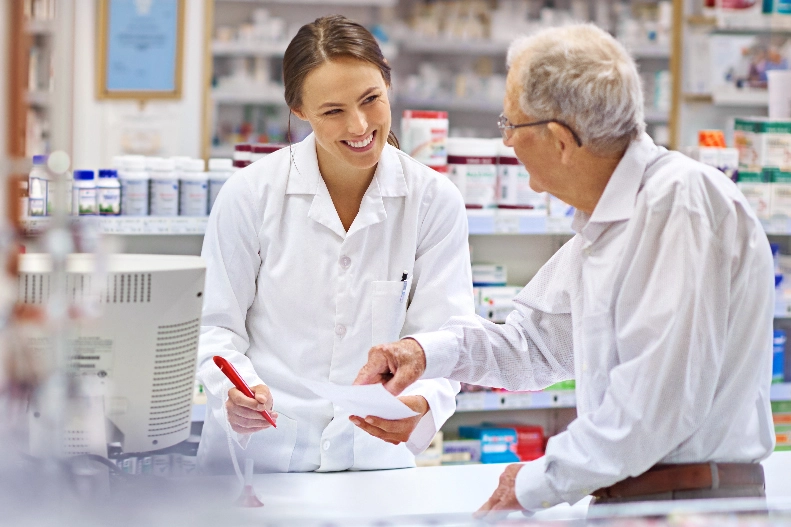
(564, 141)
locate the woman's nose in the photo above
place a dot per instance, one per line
(358, 123)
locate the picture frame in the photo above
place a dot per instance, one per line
(140, 49)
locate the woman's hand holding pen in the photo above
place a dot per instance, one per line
(398, 431)
(244, 413)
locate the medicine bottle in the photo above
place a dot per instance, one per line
(260, 151)
(108, 193)
(134, 180)
(194, 189)
(84, 193)
(220, 169)
(424, 136)
(472, 167)
(164, 188)
(39, 180)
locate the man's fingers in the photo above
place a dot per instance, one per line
(400, 381)
(375, 370)
(486, 507)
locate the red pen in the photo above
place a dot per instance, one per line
(230, 372)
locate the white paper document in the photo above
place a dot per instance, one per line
(362, 401)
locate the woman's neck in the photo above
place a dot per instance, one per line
(346, 185)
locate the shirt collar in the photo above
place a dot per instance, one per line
(304, 176)
(620, 194)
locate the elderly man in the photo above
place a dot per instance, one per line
(660, 306)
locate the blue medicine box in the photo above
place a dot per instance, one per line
(498, 445)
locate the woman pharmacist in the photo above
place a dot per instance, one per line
(308, 252)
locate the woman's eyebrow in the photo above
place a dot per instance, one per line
(363, 96)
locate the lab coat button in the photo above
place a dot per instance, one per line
(545, 504)
(345, 262)
(340, 330)
(326, 445)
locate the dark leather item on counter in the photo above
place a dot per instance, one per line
(693, 476)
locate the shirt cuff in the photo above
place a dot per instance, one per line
(441, 351)
(532, 487)
(423, 433)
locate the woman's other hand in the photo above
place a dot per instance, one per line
(244, 413)
(394, 432)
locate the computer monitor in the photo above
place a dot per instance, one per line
(142, 347)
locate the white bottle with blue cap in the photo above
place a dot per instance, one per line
(108, 192)
(39, 181)
(84, 193)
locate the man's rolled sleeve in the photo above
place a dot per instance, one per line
(532, 487)
(442, 353)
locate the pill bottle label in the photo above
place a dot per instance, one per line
(84, 201)
(164, 198)
(38, 196)
(194, 198)
(134, 197)
(109, 200)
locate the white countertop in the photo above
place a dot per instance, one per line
(442, 492)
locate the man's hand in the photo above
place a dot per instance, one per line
(244, 414)
(395, 365)
(394, 432)
(504, 497)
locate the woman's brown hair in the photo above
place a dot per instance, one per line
(325, 39)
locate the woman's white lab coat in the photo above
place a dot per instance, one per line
(289, 294)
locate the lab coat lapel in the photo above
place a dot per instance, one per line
(388, 181)
(304, 178)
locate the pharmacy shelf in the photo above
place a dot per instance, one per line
(39, 98)
(347, 3)
(656, 116)
(458, 105)
(272, 49)
(245, 49)
(650, 51)
(780, 392)
(40, 27)
(418, 44)
(251, 97)
(488, 401)
(480, 222)
(223, 150)
(742, 98)
(506, 221)
(128, 225)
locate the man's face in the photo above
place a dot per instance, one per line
(534, 145)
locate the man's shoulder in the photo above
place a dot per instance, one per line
(674, 180)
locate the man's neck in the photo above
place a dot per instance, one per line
(594, 172)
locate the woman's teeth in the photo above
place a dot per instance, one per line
(361, 144)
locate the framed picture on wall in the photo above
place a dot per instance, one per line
(140, 49)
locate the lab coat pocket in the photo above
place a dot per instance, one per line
(272, 448)
(388, 311)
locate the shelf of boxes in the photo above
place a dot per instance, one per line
(450, 104)
(418, 44)
(780, 392)
(271, 49)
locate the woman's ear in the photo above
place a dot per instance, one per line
(299, 114)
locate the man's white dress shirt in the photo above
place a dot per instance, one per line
(290, 294)
(661, 308)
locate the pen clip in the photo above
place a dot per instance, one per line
(404, 277)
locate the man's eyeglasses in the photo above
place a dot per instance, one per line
(506, 128)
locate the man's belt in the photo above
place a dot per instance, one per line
(693, 476)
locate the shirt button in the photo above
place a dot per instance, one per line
(340, 330)
(345, 262)
(586, 251)
(326, 445)
(545, 504)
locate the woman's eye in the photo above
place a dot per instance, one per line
(372, 98)
(333, 112)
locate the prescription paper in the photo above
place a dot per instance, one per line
(362, 401)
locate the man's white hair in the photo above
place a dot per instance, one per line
(581, 75)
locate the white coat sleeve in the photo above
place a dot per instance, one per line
(670, 327)
(531, 351)
(441, 288)
(231, 252)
